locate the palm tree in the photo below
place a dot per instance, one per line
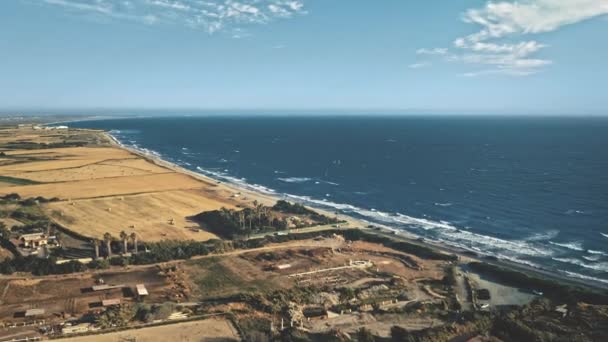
(124, 236)
(259, 209)
(271, 217)
(242, 219)
(107, 237)
(134, 239)
(95, 243)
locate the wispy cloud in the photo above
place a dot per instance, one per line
(209, 15)
(419, 65)
(500, 44)
(435, 51)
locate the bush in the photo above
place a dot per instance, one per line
(168, 250)
(38, 266)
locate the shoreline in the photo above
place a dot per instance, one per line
(242, 191)
(253, 194)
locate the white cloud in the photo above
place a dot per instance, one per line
(419, 65)
(209, 15)
(435, 51)
(500, 41)
(500, 19)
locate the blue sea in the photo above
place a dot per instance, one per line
(530, 190)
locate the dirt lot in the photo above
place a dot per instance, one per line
(71, 294)
(430, 269)
(380, 325)
(225, 276)
(215, 330)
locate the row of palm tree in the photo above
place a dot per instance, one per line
(124, 237)
(259, 212)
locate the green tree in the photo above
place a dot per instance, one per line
(347, 294)
(134, 239)
(399, 334)
(5, 231)
(365, 335)
(116, 316)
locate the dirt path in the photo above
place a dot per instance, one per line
(205, 330)
(327, 243)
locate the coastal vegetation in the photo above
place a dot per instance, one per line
(31, 145)
(234, 224)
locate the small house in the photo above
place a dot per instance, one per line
(141, 290)
(33, 240)
(34, 312)
(110, 302)
(77, 329)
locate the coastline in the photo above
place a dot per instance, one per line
(235, 189)
(384, 230)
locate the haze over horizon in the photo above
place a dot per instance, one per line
(466, 57)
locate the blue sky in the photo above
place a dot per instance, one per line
(435, 56)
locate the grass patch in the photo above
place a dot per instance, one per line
(17, 181)
(212, 279)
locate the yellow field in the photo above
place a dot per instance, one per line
(109, 189)
(150, 214)
(103, 187)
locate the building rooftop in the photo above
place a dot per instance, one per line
(34, 312)
(110, 302)
(141, 290)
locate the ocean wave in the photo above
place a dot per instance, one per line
(602, 266)
(295, 179)
(330, 183)
(575, 246)
(594, 257)
(517, 260)
(572, 212)
(448, 204)
(443, 229)
(584, 277)
(591, 251)
(548, 235)
(604, 235)
(241, 182)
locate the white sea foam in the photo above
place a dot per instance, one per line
(604, 235)
(548, 235)
(601, 266)
(591, 251)
(238, 181)
(444, 230)
(575, 246)
(330, 183)
(584, 277)
(295, 179)
(594, 257)
(448, 204)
